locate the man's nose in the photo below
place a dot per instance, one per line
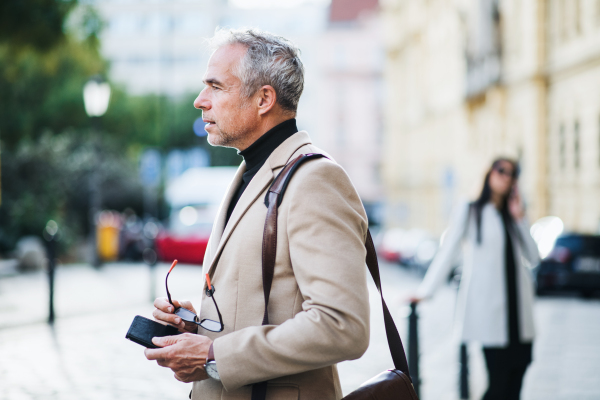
(202, 102)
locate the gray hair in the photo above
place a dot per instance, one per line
(270, 60)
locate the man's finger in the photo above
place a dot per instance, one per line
(162, 303)
(156, 354)
(168, 318)
(166, 341)
(186, 304)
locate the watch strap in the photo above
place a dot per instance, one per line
(211, 354)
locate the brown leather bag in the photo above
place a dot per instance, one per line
(393, 384)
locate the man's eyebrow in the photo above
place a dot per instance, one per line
(212, 81)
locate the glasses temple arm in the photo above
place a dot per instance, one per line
(217, 307)
(167, 287)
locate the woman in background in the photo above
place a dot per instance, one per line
(495, 300)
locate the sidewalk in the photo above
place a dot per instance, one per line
(85, 355)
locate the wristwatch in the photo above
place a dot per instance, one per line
(211, 365)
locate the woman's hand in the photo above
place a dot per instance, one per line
(415, 299)
(515, 205)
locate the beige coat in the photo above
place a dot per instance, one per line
(319, 307)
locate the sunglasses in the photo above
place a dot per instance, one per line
(190, 316)
(506, 172)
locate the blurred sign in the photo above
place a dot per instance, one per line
(199, 127)
(175, 164)
(150, 167)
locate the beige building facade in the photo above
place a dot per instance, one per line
(471, 80)
(351, 58)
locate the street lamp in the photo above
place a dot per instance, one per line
(96, 96)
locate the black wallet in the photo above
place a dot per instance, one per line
(142, 330)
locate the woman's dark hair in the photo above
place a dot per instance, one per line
(486, 194)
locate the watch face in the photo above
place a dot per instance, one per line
(211, 370)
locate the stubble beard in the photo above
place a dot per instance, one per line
(231, 131)
(222, 138)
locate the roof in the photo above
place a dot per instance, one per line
(207, 185)
(349, 10)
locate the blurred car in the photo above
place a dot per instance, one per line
(137, 238)
(389, 244)
(573, 264)
(187, 236)
(194, 199)
(414, 247)
(131, 240)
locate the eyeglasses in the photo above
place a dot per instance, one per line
(506, 172)
(190, 316)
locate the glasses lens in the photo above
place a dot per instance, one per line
(186, 314)
(210, 325)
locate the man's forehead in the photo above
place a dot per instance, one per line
(222, 61)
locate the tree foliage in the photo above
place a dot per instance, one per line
(33, 23)
(49, 179)
(48, 50)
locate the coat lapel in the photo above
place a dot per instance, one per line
(253, 192)
(219, 224)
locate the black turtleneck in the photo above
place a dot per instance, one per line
(258, 152)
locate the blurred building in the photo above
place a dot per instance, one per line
(155, 46)
(469, 80)
(158, 47)
(349, 117)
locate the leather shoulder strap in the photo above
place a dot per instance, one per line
(269, 251)
(393, 337)
(272, 201)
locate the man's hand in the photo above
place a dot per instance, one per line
(164, 314)
(185, 354)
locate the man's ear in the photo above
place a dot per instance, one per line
(267, 98)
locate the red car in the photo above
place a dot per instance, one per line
(187, 236)
(194, 198)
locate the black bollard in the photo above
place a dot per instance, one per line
(152, 282)
(51, 235)
(150, 258)
(413, 346)
(464, 372)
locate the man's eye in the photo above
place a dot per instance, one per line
(216, 88)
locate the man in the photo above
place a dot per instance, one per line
(318, 308)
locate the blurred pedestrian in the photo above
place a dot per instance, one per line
(495, 300)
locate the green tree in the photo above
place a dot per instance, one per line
(45, 136)
(49, 179)
(33, 23)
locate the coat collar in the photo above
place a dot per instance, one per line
(263, 178)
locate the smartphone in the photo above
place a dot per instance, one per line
(142, 330)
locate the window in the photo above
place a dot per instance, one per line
(576, 145)
(577, 16)
(123, 24)
(562, 13)
(561, 147)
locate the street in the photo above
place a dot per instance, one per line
(85, 354)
